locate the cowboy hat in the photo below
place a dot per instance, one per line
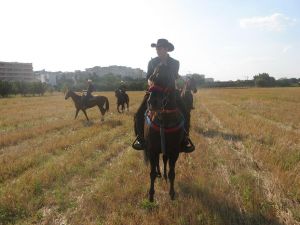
(163, 43)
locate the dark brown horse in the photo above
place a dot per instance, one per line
(122, 99)
(100, 101)
(163, 132)
(186, 93)
(187, 97)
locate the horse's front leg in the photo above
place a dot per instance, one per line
(102, 112)
(85, 114)
(76, 113)
(165, 160)
(171, 175)
(153, 174)
(118, 108)
(158, 169)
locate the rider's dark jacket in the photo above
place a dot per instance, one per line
(171, 69)
(123, 88)
(90, 89)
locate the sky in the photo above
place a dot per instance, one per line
(222, 39)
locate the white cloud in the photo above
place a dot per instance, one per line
(286, 49)
(276, 22)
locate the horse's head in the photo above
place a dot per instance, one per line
(162, 93)
(68, 94)
(155, 101)
(161, 98)
(162, 76)
(191, 85)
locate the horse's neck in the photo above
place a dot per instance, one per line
(75, 97)
(188, 87)
(171, 102)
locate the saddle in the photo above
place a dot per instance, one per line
(170, 123)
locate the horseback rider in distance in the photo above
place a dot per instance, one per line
(122, 87)
(162, 46)
(88, 94)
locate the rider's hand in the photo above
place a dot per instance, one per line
(150, 83)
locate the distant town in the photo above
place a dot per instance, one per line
(15, 71)
(19, 78)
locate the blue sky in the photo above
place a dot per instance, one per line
(224, 39)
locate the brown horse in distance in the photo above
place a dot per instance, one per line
(187, 97)
(186, 93)
(122, 99)
(100, 101)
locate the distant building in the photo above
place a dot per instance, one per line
(123, 71)
(209, 80)
(14, 71)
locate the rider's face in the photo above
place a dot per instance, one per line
(161, 51)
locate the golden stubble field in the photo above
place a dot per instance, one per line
(245, 170)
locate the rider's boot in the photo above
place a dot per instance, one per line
(139, 143)
(188, 145)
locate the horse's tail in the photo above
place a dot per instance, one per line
(127, 97)
(106, 104)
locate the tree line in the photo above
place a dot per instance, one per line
(24, 88)
(110, 82)
(260, 80)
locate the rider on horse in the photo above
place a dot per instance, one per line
(172, 66)
(89, 91)
(190, 87)
(122, 87)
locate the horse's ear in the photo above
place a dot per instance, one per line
(65, 90)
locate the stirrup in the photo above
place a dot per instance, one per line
(137, 145)
(188, 149)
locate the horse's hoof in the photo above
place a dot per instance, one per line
(172, 196)
(166, 178)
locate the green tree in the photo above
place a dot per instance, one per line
(5, 88)
(264, 80)
(199, 79)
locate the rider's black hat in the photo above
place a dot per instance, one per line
(163, 43)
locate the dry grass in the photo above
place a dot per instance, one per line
(245, 170)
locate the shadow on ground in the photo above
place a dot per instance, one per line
(215, 133)
(112, 123)
(224, 212)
